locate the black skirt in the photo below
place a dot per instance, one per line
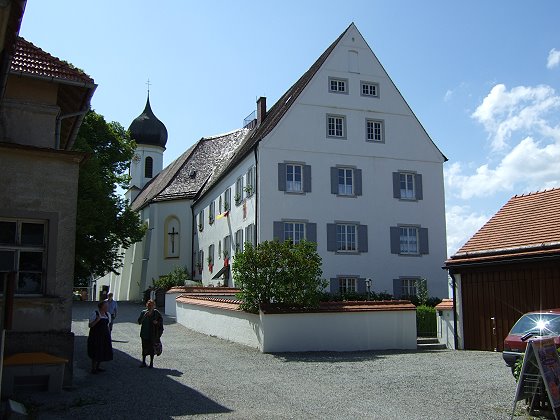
(99, 345)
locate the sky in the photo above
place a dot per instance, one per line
(481, 76)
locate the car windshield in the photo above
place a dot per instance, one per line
(540, 324)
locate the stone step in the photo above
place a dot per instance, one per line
(427, 340)
(429, 343)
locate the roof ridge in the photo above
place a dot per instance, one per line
(546, 190)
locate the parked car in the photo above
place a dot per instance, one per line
(530, 325)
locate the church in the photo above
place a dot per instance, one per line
(340, 159)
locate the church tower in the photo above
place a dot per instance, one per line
(150, 136)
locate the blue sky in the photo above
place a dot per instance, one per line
(481, 76)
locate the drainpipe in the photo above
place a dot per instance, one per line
(256, 189)
(455, 332)
(193, 227)
(59, 119)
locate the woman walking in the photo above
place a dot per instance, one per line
(151, 329)
(99, 344)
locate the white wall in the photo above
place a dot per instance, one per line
(444, 319)
(137, 165)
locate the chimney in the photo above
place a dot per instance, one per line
(261, 110)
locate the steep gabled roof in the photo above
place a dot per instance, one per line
(190, 172)
(527, 225)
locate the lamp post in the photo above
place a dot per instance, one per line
(368, 287)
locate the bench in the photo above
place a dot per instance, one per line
(32, 372)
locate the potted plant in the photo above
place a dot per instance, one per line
(237, 198)
(200, 227)
(248, 189)
(226, 258)
(199, 267)
(210, 264)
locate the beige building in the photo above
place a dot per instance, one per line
(41, 109)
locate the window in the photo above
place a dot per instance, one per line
(409, 287)
(23, 248)
(294, 177)
(336, 126)
(294, 232)
(239, 241)
(338, 85)
(347, 285)
(250, 234)
(346, 238)
(369, 89)
(346, 181)
(226, 250)
(219, 249)
(200, 261)
(211, 255)
(250, 187)
(374, 130)
(407, 186)
(211, 212)
(148, 167)
(227, 199)
(409, 240)
(220, 205)
(201, 220)
(239, 191)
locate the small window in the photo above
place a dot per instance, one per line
(227, 199)
(250, 234)
(346, 238)
(407, 186)
(200, 261)
(226, 250)
(409, 288)
(408, 240)
(238, 191)
(239, 241)
(201, 221)
(220, 205)
(347, 285)
(294, 181)
(148, 167)
(338, 85)
(294, 232)
(210, 257)
(336, 126)
(211, 212)
(374, 130)
(369, 89)
(250, 182)
(345, 181)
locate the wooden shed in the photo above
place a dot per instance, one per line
(509, 267)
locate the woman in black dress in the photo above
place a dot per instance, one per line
(99, 346)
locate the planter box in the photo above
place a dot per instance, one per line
(344, 326)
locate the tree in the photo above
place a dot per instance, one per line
(104, 222)
(280, 273)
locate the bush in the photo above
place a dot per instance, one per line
(280, 273)
(354, 296)
(177, 277)
(426, 325)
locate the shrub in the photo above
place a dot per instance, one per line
(280, 273)
(177, 277)
(426, 325)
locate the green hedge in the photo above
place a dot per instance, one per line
(426, 321)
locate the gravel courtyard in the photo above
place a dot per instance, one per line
(210, 378)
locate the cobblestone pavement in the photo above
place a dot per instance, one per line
(210, 378)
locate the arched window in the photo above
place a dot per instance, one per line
(148, 167)
(172, 237)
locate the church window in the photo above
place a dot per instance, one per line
(172, 238)
(148, 167)
(23, 250)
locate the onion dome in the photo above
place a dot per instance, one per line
(147, 129)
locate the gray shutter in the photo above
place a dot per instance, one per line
(396, 185)
(282, 177)
(395, 240)
(311, 232)
(397, 288)
(307, 178)
(331, 237)
(418, 185)
(362, 238)
(334, 180)
(334, 286)
(361, 285)
(357, 181)
(424, 247)
(278, 231)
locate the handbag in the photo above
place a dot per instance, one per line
(158, 348)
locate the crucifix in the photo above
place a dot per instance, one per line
(172, 237)
(148, 84)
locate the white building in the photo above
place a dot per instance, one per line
(340, 160)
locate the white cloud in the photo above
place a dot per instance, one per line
(522, 108)
(448, 95)
(462, 223)
(553, 59)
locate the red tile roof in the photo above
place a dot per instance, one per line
(31, 60)
(527, 225)
(445, 304)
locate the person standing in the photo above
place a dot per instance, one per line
(112, 307)
(99, 345)
(151, 328)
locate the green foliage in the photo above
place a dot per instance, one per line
(104, 220)
(516, 371)
(422, 291)
(280, 273)
(354, 296)
(177, 277)
(426, 325)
